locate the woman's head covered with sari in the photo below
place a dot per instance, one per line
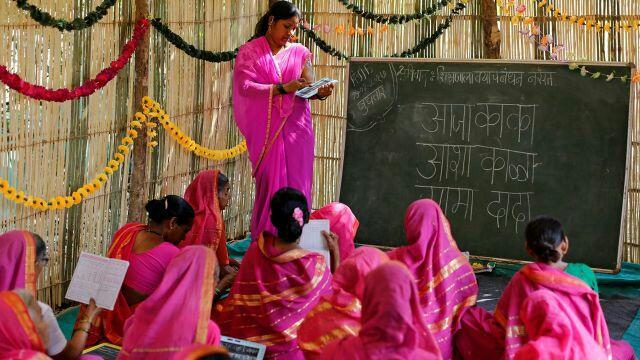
(392, 322)
(342, 222)
(22, 257)
(338, 314)
(208, 194)
(445, 279)
(23, 333)
(177, 314)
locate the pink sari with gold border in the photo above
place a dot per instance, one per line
(18, 261)
(272, 294)
(19, 338)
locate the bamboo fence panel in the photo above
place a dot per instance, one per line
(49, 149)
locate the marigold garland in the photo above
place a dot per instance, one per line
(64, 202)
(60, 95)
(152, 110)
(46, 19)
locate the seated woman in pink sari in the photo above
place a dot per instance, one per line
(392, 323)
(176, 315)
(274, 121)
(278, 282)
(445, 279)
(342, 222)
(338, 315)
(506, 333)
(23, 333)
(148, 249)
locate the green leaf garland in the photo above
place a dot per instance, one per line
(46, 19)
(395, 19)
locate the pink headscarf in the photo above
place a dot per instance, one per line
(445, 279)
(19, 338)
(342, 222)
(177, 314)
(392, 324)
(272, 294)
(338, 315)
(554, 331)
(17, 261)
(208, 224)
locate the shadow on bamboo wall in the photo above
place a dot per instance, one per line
(50, 149)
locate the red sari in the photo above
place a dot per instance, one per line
(19, 338)
(108, 325)
(208, 224)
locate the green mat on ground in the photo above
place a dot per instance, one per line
(632, 335)
(66, 319)
(238, 248)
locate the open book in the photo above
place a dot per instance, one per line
(313, 240)
(99, 278)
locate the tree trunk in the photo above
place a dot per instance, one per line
(490, 29)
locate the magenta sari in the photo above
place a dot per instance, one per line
(338, 315)
(176, 315)
(278, 128)
(19, 338)
(342, 222)
(506, 333)
(17, 261)
(272, 294)
(445, 279)
(392, 322)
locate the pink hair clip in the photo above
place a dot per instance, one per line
(297, 214)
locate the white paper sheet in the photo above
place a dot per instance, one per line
(312, 89)
(313, 240)
(99, 278)
(242, 349)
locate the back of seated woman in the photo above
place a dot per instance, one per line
(148, 248)
(278, 282)
(509, 330)
(23, 333)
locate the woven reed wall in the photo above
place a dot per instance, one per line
(49, 149)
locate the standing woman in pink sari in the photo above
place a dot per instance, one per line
(176, 315)
(276, 124)
(445, 279)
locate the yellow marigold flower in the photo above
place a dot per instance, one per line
(198, 152)
(19, 197)
(161, 112)
(165, 123)
(147, 101)
(83, 192)
(152, 134)
(542, 3)
(136, 124)
(607, 27)
(192, 146)
(10, 193)
(152, 124)
(573, 19)
(89, 188)
(152, 144)
(514, 20)
(43, 204)
(175, 133)
(114, 165)
(581, 21)
(140, 118)
(60, 202)
(127, 140)
(102, 178)
(118, 157)
(96, 184)
(132, 133)
(147, 111)
(123, 149)
(4, 185)
(77, 198)
(108, 170)
(30, 201)
(171, 128)
(68, 202)
(53, 204)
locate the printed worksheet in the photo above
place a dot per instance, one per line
(99, 278)
(313, 240)
(312, 89)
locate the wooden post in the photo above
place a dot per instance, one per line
(138, 186)
(490, 29)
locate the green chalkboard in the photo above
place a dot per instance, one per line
(495, 144)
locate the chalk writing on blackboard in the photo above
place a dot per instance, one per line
(453, 204)
(510, 207)
(407, 73)
(373, 95)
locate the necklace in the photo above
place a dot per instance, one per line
(154, 232)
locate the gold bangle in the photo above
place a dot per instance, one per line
(83, 330)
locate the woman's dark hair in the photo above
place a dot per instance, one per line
(280, 10)
(223, 180)
(41, 247)
(544, 234)
(170, 206)
(283, 203)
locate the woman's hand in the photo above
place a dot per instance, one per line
(227, 280)
(334, 249)
(92, 310)
(324, 91)
(295, 85)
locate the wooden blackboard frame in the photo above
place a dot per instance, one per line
(623, 218)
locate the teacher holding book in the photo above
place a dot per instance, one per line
(275, 122)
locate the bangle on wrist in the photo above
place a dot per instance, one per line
(83, 330)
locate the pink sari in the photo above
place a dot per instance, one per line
(278, 128)
(342, 222)
(506, 333)
(19, 338)
(272, 294)
(208, 224)
(338, 315)
(392, 322)
(17, 261)
(196, 352)
(176, 315)
(445, 279)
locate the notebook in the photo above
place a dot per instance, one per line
(313, 240)
(243, 349)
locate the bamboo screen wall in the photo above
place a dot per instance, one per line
(50, 149)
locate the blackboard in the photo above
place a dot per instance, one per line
(495, 144)
(104, 350)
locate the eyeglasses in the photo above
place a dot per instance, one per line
(44, 261)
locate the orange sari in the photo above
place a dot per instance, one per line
(19, 338)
